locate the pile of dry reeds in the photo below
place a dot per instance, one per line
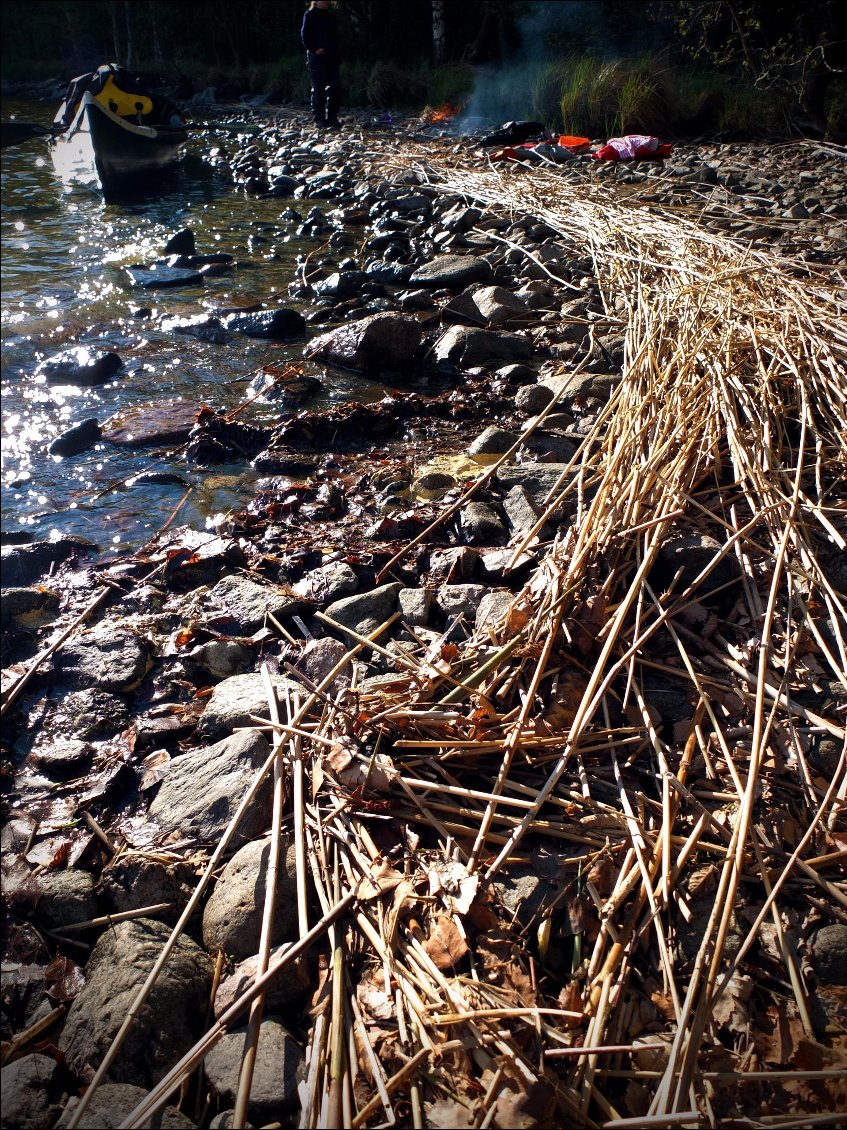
(411, 798)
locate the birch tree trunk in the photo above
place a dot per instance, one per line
(439, 40)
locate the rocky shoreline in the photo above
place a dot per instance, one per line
(132, 685)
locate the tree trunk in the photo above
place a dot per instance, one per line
(158, 55)
(116, 45)
(439, 40)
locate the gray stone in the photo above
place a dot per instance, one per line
(203, 788)
(341, 285)
(415, 605)
(27, 609)
(221, 658)
(249, 602)
(467, 348)
(81, 365)
(233, 701)
(458, 561)
(497, 565)
(59, 756)
(533, 398)
(113, 1102)
(500, 307)
(521, 511)
(320, 657)
(159, 276)
(829, 954)
(92, 713)
(31, 1096)
(293, 981)
(379, 342)
(165, 1027)
(276, 1074)
(366, 611)
(687, 555)
(493, 441)
(537, 479)
(460, 600)
(132, 882)
(581, 386)
(493, 608)
(548, 447)
(330, 582)
(64, 897)
(481, 525)
(434, 480)
(232, 920)
(451, 272)
(524, 893)
(108, 657)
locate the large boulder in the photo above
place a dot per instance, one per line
(167, 1024)
(380, 342)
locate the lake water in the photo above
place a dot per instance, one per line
(64, 282)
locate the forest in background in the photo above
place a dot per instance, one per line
(583, 65)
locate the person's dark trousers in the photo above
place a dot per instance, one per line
(326, 92)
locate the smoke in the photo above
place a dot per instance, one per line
(526, 85)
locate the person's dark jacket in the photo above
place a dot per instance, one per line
(320, 30)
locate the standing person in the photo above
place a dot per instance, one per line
(320, 38)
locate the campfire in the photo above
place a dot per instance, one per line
(440, 115)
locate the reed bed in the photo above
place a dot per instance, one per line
(688, 860)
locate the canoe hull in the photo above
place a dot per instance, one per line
(107, 152)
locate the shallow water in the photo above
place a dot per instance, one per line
(64, 282)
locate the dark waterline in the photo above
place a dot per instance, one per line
(64, 283)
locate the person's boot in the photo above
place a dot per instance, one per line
(318, 110)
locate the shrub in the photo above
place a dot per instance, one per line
(391, 86)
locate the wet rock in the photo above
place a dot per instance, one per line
(328, 583)
(366, 611)
(91, 714)
(134, 882)
(24, 564)
(81, 365)
(27, 609)
(516, 374)
(480, 525)
(278, 325)
(290, 392)
(232, 920)
(415, 605)
(493, 441)
(203, 788)
(31, 1097)
(451, 564)
(279, 1060)
(62, 758)
(248, 603)
(466, 348)
(167, 1024)
(113, 1102)
(688, 555)
(378, 342)
(829, 954)
(293, 980)
(451, 272)
(548, 447)
(204, 327)
(496, 565)
(434, 480)
(166, 422)
(181, 243)
(388, 273)
(460, 600)
(160, 276)
(341, 285)
(524, 893)
(235, 699)
(76, 439)
(107, 656)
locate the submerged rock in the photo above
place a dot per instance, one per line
(81, 365)
(75, 440)
(167, 421)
